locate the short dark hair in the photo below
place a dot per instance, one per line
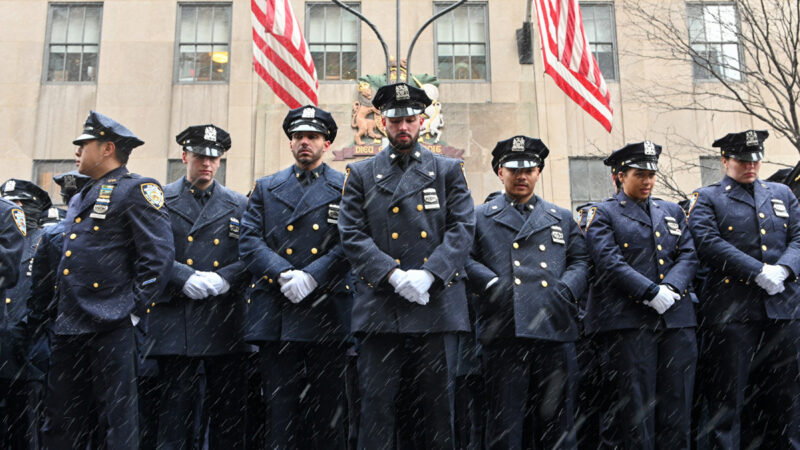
(120, 153)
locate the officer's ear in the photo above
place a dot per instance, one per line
(183, 157)
(109, 148)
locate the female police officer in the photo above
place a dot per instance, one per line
(644, 323)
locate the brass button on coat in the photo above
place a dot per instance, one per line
(68, 253)
(189, 261)
(395, 210)
(395, 235)
(423, 234)
(314, 251)
(216, 241)
(288, 251)
(290, 227)
(65, 272)
(190, 239)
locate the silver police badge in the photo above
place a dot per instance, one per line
(210, 134)
(430, 199)
(10, 186)
(751, 139)
(309, 113)
(518, 145)
(333, 213)
(649, 148)
(233, 228)
(672, 226)
(557, 234)
(779, 208)
(401, 92)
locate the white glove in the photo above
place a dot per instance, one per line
(415, 287)
(665, 298)
(198, 286)
(771, 278)
(397, 277)
(219, 283)
(297, 285)
(491, 283)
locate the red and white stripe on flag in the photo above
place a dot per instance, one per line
(568, 59)
(281, 55)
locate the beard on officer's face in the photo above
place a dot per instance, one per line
(403, 140)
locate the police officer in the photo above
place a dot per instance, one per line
(299, 301)
(199, 317)
(116, 252)
(639, 306)
(529, 266)
(19, 418)
(747, 234)
(406, 224)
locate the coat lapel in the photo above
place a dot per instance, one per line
(762, 193)
(737, 192)
(387, 175)
(286, 188)
(416, 177)
(181, 201)
(501, 212)
(633, 211)
(538, 219)
(89, 198)
(321, 192)
(219, 205)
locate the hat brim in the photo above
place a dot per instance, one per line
(644, 165)
(20, 197)
(307, 126)
(402, 112)
(83, 138)
(747, 157)
(213, 152)
(520, 164)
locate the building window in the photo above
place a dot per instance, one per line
(711, 169)
(333, 36)
(73, 42)
(713, 30)
(45, 170)
(176, 169)
(203, 43)
(462, 45)
(599, 24)
(589, 180)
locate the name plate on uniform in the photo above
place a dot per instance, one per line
(672, 226)
(557, 235)
(333, 213)
(430, 199)
(779, 208)
(233, 228)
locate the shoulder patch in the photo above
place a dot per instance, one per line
(153, 194)
(463, 171)
(590, 216)
(692, 202)
(19, 220)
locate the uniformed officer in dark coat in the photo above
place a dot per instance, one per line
(747, 234)
(639, 308)
(529, 266)
(298, 303)
(18, 424)
(116, 255)
(199, 317)
(406, 224)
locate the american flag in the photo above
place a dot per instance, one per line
(280, 53)
(568, 59)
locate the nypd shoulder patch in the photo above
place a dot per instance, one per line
(153, 194)
(692, 203)
(19, 220)
(590, 216)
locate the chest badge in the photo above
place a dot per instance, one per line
(672, 226)
(430, 199)
(333, 213)
(779, 208)
(557, 235)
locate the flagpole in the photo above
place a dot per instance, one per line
(397, 54)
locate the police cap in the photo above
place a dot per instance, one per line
(745, 146)
(26, 192)
(71, 182)
(207, 140)
(400, 100)
(103, 128)
(519, 152)
(310, 118)
(640, 155)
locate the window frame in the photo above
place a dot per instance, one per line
(306, 23)
(486, 42)
(607, 180)
(739, 47)
(717, 160)
(177, 45)
(51, 187)
(614, 44)
(48, 44)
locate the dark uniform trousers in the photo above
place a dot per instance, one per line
(289, 225)
(750, 353)
(647, 360)
(201, 341)
(417, 218)
(115, 259)
(527, 319)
